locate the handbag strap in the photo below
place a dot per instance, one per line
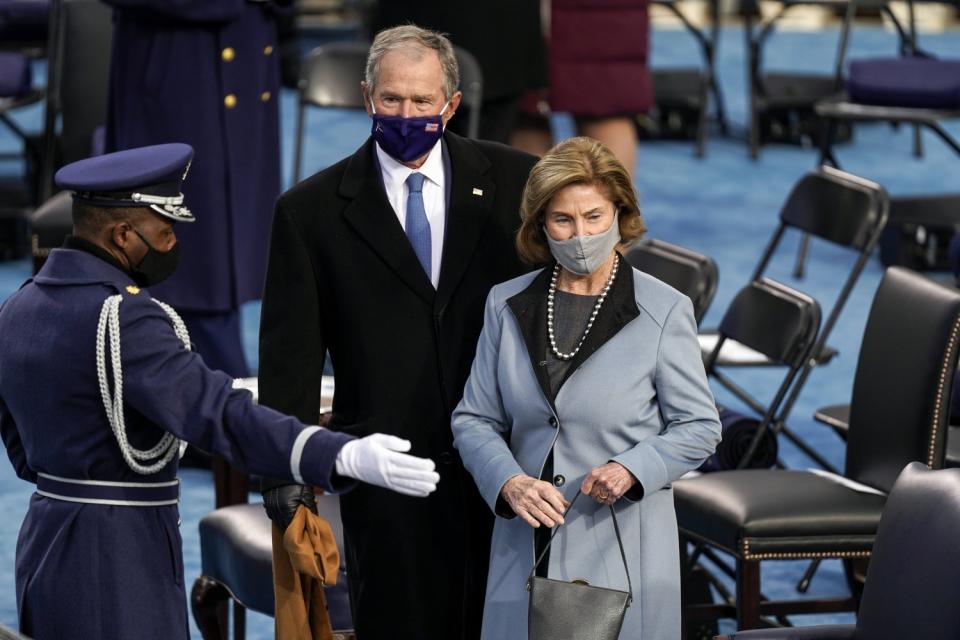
(616, 528)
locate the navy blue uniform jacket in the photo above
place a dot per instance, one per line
(205, 72)
(94, 571)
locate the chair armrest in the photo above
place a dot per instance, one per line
(826, 632)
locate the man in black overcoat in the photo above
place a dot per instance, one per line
(385, 260)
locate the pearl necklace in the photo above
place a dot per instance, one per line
(593, 315)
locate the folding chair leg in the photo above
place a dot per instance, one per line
(239, 621)
(748, 594)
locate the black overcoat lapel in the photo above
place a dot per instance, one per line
(530, 309)
(471, 199)
(371, 216)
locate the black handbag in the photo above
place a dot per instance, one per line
(575, 610)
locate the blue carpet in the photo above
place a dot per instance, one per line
(724, 205)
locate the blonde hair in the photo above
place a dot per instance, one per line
(413, 40)
(575, 161)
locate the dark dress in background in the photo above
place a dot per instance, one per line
(599, 57)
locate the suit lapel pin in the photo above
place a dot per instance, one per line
(477, 192)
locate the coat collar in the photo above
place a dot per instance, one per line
(471, 197)
(530, 309)
(65, 267)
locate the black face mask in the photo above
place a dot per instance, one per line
(156, 266)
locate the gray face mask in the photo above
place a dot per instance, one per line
(583, 255)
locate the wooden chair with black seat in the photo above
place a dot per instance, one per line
(691, 273)
(898, 414)
(912, 585)
(842, 210)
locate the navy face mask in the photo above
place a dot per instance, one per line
(156, 266)
(406, 139)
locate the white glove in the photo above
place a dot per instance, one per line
(377, 460)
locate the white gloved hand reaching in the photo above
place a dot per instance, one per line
(379, 459)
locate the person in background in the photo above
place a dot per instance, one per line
(99, 391)
(587, 379)
(207, 73)
(598, 54)
(384, 260)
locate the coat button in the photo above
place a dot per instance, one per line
(230, 101)
(228, 54)
(559, 480)
(445, 458)
(267, 50)
(553, 421)
(265, 96)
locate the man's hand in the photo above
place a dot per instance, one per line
(281, 503)
(536, 501)
(379, 459)
(607, 483)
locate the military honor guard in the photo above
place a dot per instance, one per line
(99, 391)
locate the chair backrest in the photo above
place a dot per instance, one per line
(330, 75)
(773, 319)
(471, 85)
(78, 79)
(901, 392)
(839, 207)
(913, 585)
(689, 272)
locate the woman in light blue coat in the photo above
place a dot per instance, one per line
(587, 376)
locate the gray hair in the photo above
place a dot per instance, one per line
(412, 38)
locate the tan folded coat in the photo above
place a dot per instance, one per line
(305, 558)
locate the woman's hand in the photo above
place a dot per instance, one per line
(536, 501)
(607, 483)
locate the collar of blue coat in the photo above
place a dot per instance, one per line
(67, 267)
(530, 309)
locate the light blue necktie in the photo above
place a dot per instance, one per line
(418, 227)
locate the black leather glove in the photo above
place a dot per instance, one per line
(282, 502)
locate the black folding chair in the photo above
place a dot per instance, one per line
(688, 90)
(81, 32)
(330, 77)
(689, 272)
(844, 210)
(779, 324)
(899, 414)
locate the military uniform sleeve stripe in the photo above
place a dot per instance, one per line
(297, 452)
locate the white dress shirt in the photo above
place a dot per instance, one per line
(434, 197)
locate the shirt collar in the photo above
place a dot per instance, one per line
(395, 173)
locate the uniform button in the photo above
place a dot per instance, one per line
(230, 101)
(265, 96)
(559, 480)
(267, 50)
(445, 458)
(553, 421)
(228, 54)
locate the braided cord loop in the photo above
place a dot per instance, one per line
(108, 330)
